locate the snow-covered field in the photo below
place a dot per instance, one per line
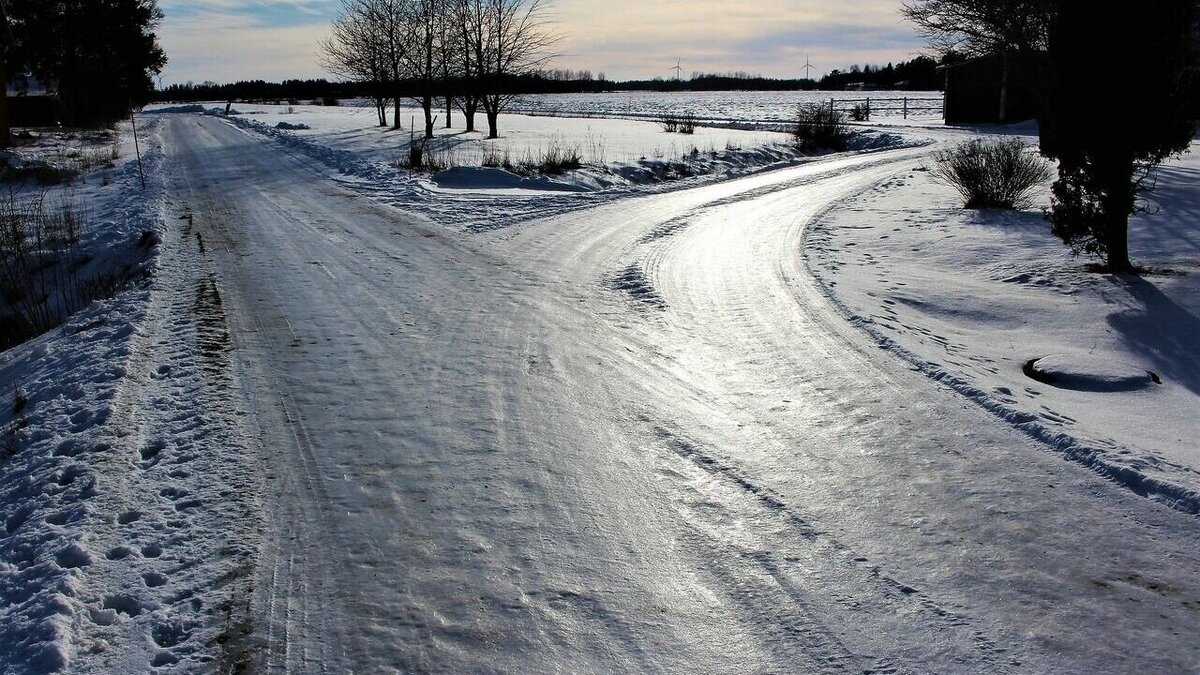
(599, 141)
(361, 420)
(620, 158)
(724, 107)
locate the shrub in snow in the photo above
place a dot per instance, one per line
(553, 160)
(991, 173)
(40, 268)
(820, 128)
(681, 124)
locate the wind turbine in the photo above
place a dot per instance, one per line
(678, 69)
(808, 66)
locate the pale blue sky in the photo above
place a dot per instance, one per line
(227, 40)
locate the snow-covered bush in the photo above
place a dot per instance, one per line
(819, 128)
(991, 173)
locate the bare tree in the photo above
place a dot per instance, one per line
(469, 35)
(517, 41)
(367, 44)
(353, 51)
(980, 27)
(423, 49)
(425, 20)
(448, 58)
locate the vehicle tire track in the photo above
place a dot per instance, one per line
(857, 581)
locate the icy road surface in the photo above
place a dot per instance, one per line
(637, 438)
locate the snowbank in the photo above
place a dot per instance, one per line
(60, 391)
(484, 178)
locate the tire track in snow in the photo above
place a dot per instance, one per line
(860, 583)
(857, 581)
(292, 630)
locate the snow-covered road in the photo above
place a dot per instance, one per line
(637, 438)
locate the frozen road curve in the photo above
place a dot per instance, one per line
(637, 439)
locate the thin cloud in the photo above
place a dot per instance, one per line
(227, 40)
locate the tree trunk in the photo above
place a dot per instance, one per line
(427, 106)
(396, 116)
(381, 110)
(470, 107)
(1118, 204)
(493, 119)
(1003, 88)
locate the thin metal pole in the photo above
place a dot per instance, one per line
(137, 148)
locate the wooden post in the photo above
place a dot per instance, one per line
(868, 108)
(831, 107)
(946, 98)
(905, 107)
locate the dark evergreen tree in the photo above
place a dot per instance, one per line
(1108, 137)
(101, 54)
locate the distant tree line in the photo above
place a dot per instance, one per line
(260, 90)
(325, 91)
(919, 74)
(718, 82)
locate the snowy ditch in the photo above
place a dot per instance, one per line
(53, 470)
(123, 473)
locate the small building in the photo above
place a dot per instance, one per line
(979, 91)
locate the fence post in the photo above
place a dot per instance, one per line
(905, 107)
(868, 108)
(831, 107)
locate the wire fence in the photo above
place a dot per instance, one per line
(863, 109)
